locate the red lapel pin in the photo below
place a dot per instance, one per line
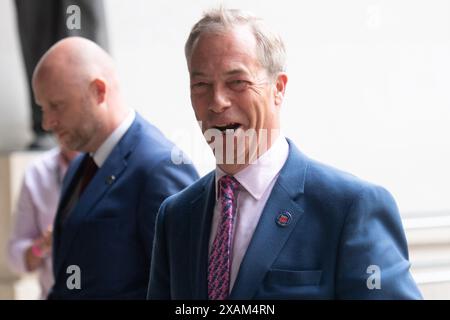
(284, 218)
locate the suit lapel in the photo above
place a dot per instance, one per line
(200, 228)
(269, 238)
(103, 180)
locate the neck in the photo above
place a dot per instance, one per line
(114, 119)
(232, 169)
(251, 158)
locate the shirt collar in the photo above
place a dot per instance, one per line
(256, 177)
(108, 145)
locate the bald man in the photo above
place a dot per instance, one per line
(103, 230)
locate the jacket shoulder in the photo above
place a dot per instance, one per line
(325, 179)
(152, 149)
(178, 203)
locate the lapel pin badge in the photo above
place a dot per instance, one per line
(110, 179)
(284, 219)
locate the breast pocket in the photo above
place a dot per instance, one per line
(294, 277)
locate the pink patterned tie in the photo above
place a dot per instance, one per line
(219, 267)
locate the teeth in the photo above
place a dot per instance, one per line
(230, 126)
(225, 125)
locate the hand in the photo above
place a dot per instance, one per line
(39, 250)
(45, 242)
(47, 238)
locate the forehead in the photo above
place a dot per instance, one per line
(44, 91)
(225, 51)
(53, 85)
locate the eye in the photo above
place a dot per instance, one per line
(199, 87)
(238, 85)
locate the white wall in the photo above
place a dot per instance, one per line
(368, 89)
(15, 130)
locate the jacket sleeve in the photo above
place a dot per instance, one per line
(372, 262)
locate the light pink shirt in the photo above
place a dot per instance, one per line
(256, 184)
(35, 212)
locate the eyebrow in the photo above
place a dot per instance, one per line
(54, 102)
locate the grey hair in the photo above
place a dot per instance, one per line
(270, 47)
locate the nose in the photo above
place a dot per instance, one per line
(48, 121)
(221, 100)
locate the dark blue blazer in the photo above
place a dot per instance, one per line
(109, 232)
(340, 227)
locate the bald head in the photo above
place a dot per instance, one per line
(78, 57)
(77, 77)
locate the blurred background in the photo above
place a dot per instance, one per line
(368, 92)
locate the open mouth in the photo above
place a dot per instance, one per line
(230, 126)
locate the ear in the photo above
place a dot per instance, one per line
(99, 89)
(280, 87)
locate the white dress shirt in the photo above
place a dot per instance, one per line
(108, 145)
(256, 184)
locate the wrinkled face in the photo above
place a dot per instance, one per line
(232, 95)
(68, 110)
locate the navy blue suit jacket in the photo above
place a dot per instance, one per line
(340, 227)
(109, 233)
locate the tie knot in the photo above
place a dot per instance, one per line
(90, 163)
(89, 170)
(228, 184)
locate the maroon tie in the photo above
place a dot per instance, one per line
(90, 168)
(85, 174)
(219, 267)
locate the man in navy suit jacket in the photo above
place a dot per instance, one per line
(268, 223)
(103, 232)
